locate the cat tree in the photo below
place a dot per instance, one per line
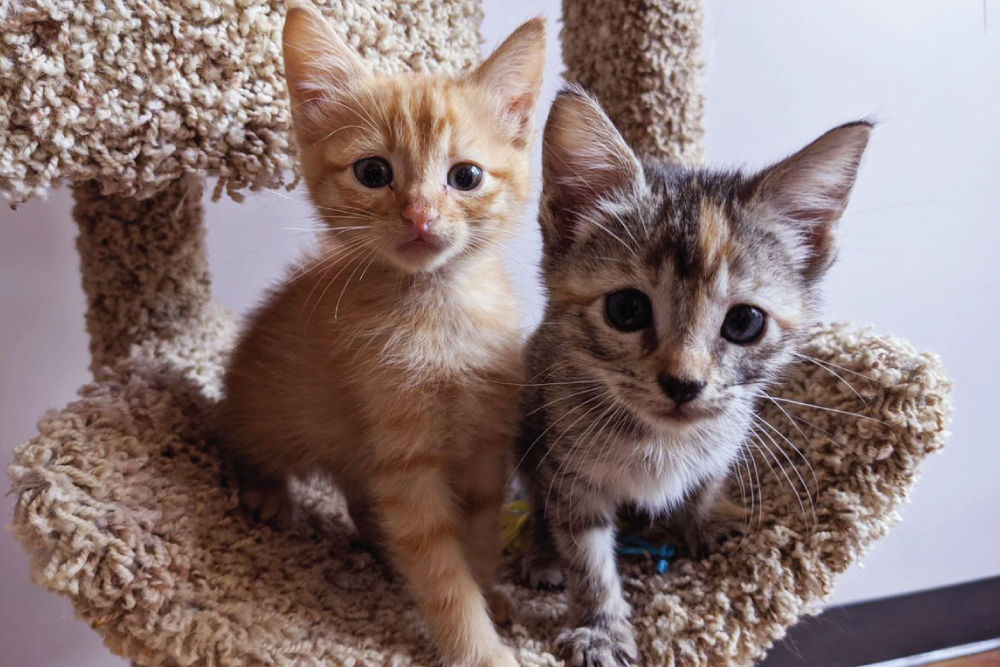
(127, 511)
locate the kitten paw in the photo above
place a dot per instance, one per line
(499, 656)
(501, 606)
(502, 658)
(589, 646)
(704, 536)
(543, 574)
(266, 500)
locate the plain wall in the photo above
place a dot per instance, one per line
(918, 258)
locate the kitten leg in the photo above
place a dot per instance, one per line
(585, 538)
(265, 495)
(419, 519)
(706, 516)
(540, 567)
(480, 487)
(361, 509)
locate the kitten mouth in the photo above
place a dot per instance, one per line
(685, 414)
(421, 244)
(679, 414)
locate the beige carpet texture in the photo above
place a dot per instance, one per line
(128, 511)
(134, 94)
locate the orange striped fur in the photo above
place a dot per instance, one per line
(387, 360)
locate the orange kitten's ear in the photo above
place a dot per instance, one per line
(586, 164)
(318, 64)
(809, 190)
(513, 75)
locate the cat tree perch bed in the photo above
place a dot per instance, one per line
(129, 513)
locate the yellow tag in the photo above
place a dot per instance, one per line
(514, 518)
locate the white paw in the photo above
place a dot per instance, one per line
(588, 646)
(502, 657)
(544, 574)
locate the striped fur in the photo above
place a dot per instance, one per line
(393, 368)
(601, 428)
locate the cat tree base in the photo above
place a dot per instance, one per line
(130, 513)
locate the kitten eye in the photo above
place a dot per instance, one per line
(465, 176)
(373, 172)
(743, 324)
(628, 310)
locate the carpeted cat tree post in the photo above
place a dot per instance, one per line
(129, 512)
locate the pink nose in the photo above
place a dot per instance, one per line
(421, 217)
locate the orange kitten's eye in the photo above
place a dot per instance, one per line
(465, 176)
(373, 172)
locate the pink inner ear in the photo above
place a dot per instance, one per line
(520, 111)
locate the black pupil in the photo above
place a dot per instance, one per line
(743, 324)
(628, 310)
(465, 176)
(373, 172)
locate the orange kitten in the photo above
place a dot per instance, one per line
(387, 360)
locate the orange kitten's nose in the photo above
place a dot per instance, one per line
(421, 216)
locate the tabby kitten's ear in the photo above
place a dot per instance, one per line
(585, 161)
(319, 65)
(513, 77)
(809, 191)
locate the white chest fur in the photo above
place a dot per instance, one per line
(657, 475)
(451, 327)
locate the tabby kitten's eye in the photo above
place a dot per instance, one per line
(373, 172)
(465, 176)
(628, 310)
(743, 324)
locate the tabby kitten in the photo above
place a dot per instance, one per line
(674, 295)
(386, 360)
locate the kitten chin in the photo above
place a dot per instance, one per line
(675, 296)
(388, 359)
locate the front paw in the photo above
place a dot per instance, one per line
(267, 500)
(543, 573)
(589, 646)
(501, 606)
(706, 536)
(502, 656)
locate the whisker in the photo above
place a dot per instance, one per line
(541, 435)
(604, 419)
(574, 395)
(356, 251)
(340, 129)
(845, 369)
(738, 469)
(760, 489)
(545, 384)
(762, 447)
(805, 487)
(327, 258)
(820, 407)
(800, 432)
(832, 372)
(370, 262)
(336, 308)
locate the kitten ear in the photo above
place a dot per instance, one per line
(585, 161)
(513, 76)
(810, 190)
(318, 64)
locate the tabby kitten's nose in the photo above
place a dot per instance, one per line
(681, 391)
